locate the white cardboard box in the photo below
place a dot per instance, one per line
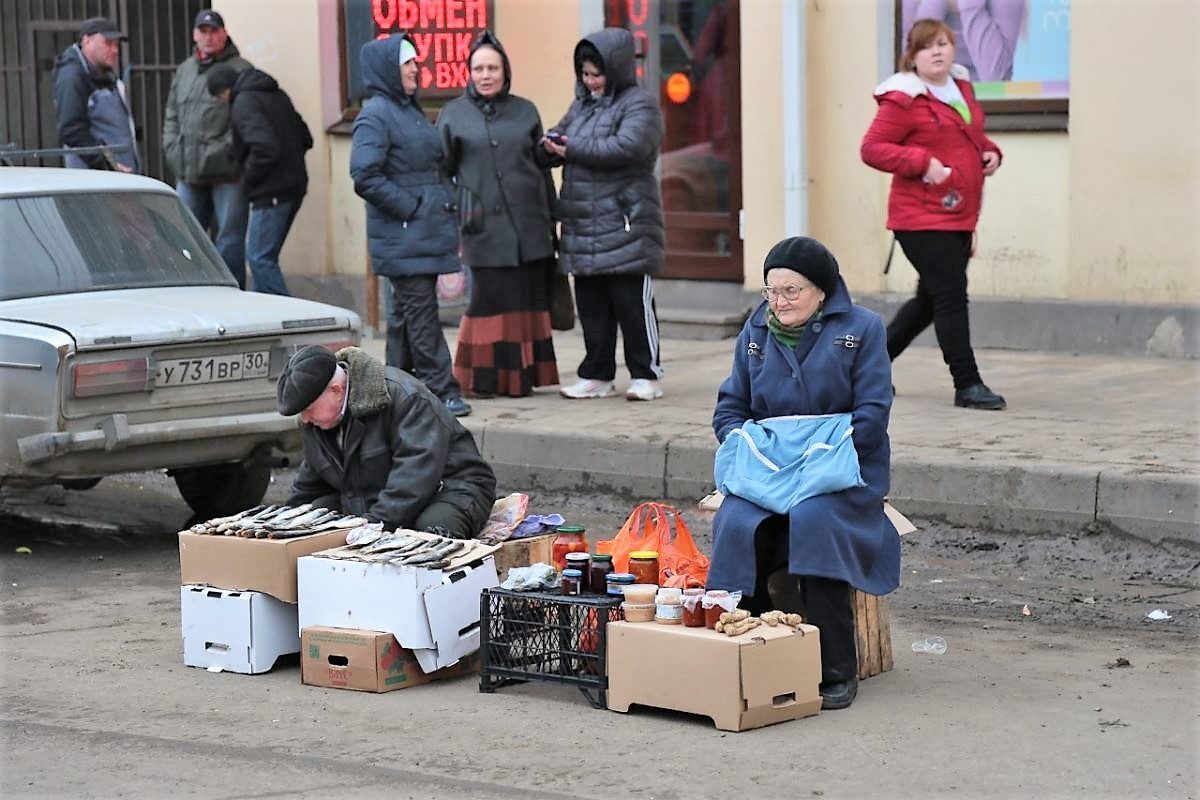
(236, 631)
(433, 612)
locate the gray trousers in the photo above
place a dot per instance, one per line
(415, 342)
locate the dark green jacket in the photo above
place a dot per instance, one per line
(197, 139)
(402, 450)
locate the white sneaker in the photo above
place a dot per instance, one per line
(586, 389)
(643, 389)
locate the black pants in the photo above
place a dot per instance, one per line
(823, 602)
(460, 516)
(940, 258)
(415, 342)
(606, 302)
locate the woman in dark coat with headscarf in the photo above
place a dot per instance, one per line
(412, 226)
(611, 213)
(808, 350)
(491, 141)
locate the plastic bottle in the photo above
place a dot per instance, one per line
(933, 644)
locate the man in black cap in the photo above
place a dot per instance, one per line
(90, 103)
(379, 444)
(198, 143)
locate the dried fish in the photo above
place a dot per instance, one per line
(364, 535)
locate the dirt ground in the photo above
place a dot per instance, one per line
(95, 701)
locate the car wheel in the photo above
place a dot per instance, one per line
(223, 489)
(79, 484)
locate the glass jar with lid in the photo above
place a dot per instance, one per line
(644, 566)
(583, 563)
(616, 580)
(601, 568)
(571, 581)
(570, 539)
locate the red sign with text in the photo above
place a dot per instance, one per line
(442, 30)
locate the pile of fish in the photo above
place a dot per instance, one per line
(278, 522)
(403, 548)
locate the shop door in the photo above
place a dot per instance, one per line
(689, 59)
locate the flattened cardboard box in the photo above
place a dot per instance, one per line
(764, 676)
(253, 565)
(366, 661)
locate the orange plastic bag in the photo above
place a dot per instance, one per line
(659, 527)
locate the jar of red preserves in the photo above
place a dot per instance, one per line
(644, 566)
(713, 603)
(693, 611)
(602, 567)
(570, 539)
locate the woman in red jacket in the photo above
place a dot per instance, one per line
(928, 133)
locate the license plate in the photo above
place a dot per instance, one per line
(212, 369)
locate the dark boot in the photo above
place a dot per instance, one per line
(838, 694)
(979, 396)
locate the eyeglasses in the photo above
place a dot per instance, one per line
(789, 293)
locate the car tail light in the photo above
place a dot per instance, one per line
(112, 377)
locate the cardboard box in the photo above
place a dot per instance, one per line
(254, 565)
(523, 552)
(430, 611)
(237, 631)
(762, 677)
(366, 661)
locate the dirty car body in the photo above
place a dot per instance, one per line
(126, 345)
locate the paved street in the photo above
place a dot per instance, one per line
(95, 701)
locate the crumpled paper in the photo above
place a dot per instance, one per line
(532, 578)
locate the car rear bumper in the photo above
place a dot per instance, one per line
(115, 434)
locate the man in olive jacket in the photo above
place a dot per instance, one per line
(198, 143)
(379, 444)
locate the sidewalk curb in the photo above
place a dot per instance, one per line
(1042, 498)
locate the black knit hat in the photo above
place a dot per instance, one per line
(306, 375)
(808, 257)
(220, 78)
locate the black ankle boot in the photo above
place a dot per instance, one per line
(979, 396)
(838, 694)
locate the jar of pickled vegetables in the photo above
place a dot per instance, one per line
(644, 566)
(570, 539)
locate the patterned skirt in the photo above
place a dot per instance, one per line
(504, 340)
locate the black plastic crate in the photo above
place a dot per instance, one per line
(543, 636)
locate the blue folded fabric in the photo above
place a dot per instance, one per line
(777, 462)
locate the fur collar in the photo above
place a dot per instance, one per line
(368, 382)
(908, 83)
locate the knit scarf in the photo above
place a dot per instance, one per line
(789, 337)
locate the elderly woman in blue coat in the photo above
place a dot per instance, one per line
(808, 361)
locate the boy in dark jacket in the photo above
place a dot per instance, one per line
(269, 141)
(379, 444)
(90, 103)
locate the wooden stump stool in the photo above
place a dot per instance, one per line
(872, 633)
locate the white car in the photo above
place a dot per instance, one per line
(126, 345)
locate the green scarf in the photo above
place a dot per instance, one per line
(789, 337)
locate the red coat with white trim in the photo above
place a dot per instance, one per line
(910, 128)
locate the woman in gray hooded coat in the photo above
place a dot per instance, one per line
(611, 212)
(491, 146)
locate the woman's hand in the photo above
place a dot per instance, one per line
(936, 172)
(559, 150)
(991, 162)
